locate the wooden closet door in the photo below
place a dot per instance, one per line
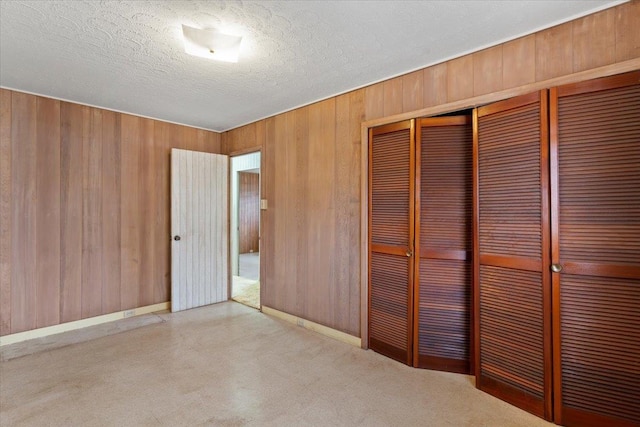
(595, 172)
(512, 278)
(391, 228)
(444, 215)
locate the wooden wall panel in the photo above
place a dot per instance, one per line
(393, 95)
(412, 91)
(554, 52)
(291, 211)
(356, 116)
(594, 40)
(435, 85)
(374, 101)
(23, 183)
(300, 151)
(147, 195)
(248, 211)
(87, 191)
(92, 213)
(111, 271)
(5, 212)
(166, 136)
(627, 31)
(460, 78)
(519, 62)
(71, 154)
(47, 212)
(487, 71)
(130, 212)
(321, 210)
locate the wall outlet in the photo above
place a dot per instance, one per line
(129, 313)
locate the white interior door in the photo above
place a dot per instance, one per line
(199, 228)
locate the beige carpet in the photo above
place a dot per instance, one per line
(246, 291)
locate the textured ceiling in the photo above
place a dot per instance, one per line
(128, 55)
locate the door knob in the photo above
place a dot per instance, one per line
(409, 253)
(556, 268)
(176, 238)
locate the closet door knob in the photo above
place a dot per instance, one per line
(409, 253)
(176, 238)
(556, 268)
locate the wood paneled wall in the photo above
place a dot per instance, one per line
(248, 211)
(84, 209)
(311, 173)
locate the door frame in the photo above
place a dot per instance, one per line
(261, 246)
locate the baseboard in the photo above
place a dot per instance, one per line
(312, 326)
(83, 323)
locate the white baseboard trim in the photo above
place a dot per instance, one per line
(83, 323)
(312, 326)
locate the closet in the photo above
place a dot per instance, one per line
(525, 224)
(421, 242)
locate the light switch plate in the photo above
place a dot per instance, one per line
(263, 204)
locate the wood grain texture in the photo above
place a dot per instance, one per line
(111, 161)
(393, 94)
(47, 212)
(92, 237)
(460, 78)
(435, 85)
(594, 40)
(165, 136)
(71, 154)
(554, 52)
(487, 71)
(301, 153)
(295, 290)
(374, 101)
(147, 182)
(248, 211)
(130, 212)
(88, 192)
(356, 116)
(412, 91)
(23, 180)
(519, 62)
(5, 211)
(627, 31)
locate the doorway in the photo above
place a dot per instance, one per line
(245, 226)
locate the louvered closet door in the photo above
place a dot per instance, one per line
(595, 149)
(512, 294)
(444, 228)
(391, 186)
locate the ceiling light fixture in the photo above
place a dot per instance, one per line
(211, 44)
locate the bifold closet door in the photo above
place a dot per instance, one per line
(443, 277)
(391, 227)
(512, 279)
(595, 172)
